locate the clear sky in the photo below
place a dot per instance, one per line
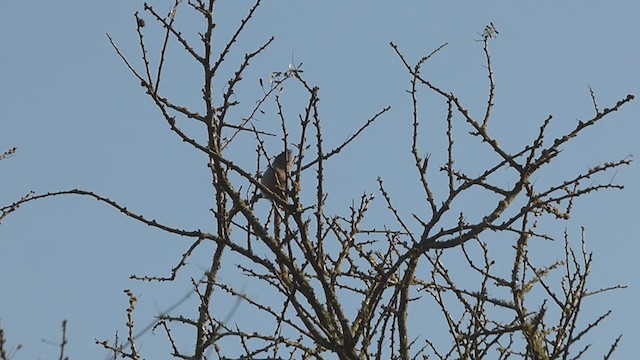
(79, 119)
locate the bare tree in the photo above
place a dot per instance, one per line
(5, 352)
(338, 286)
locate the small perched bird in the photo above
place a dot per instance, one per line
(276, 177)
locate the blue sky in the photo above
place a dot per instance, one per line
(79, 119)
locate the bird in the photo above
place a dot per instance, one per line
(275, 178)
